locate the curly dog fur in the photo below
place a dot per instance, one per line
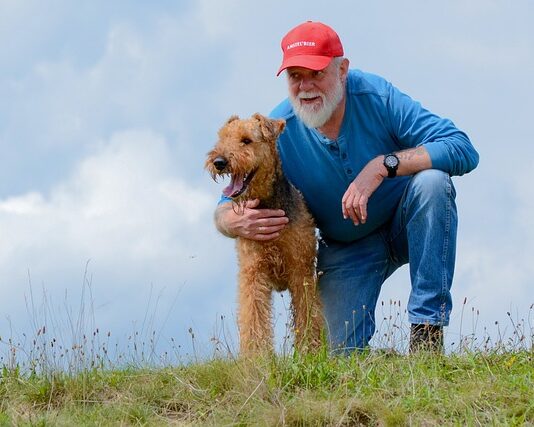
(246, 150)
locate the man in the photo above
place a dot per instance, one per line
(374, 167)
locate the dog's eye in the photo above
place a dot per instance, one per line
(246, 140)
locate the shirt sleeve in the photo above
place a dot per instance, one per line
(412, 125)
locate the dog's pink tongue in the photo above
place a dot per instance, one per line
(235, 186)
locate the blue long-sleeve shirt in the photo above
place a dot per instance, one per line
(379, 119)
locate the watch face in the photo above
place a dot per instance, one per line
(391, 161)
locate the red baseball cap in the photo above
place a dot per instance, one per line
(310, 45)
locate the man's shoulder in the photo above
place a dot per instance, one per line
(284, 110)
(360, 83)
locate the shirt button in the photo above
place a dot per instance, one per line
(349, 171)
(344, 155)
(332, 147)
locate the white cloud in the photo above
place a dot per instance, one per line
(218, 18)
(129, 210)
(134, 205)
(494, 267)
(144, 74)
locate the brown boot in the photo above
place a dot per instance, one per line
(425, 337)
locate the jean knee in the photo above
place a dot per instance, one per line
(431, 183)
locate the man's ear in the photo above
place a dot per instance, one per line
(344, 69)
(270, 128)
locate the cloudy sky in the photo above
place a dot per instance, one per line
(107, 110)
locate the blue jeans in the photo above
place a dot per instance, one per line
(421, 233)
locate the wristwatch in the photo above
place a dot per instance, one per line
(391, 162)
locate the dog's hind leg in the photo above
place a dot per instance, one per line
(307, 312)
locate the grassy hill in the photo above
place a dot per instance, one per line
(49, 377)
(370, 388)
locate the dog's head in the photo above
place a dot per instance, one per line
(246, 151)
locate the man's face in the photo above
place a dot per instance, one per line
(316, 94)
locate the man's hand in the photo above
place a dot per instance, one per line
(354, 201)
(250, 222)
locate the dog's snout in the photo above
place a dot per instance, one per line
(220, 163)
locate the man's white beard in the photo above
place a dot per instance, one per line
(316, 116)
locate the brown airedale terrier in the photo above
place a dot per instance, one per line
(247, 151)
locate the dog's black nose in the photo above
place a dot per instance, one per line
(220, 163)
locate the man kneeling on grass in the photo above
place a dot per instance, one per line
(375, 169)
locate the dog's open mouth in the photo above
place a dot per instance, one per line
(238, 184)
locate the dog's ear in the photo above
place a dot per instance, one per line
(232, 118)
(270, 128)
(279, 126)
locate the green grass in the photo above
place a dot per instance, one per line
(372, 388)
(49, 377)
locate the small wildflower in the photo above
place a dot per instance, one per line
(510, 362)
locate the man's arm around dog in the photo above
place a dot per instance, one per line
(250, 222)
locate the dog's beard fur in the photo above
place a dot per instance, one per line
(316, 116)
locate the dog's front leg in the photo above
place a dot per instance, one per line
(255, 311)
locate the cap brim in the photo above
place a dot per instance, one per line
(313, 62)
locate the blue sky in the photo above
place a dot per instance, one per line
(107, 110)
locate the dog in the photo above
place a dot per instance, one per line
(247, 152)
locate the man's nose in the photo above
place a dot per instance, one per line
(306, 83)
